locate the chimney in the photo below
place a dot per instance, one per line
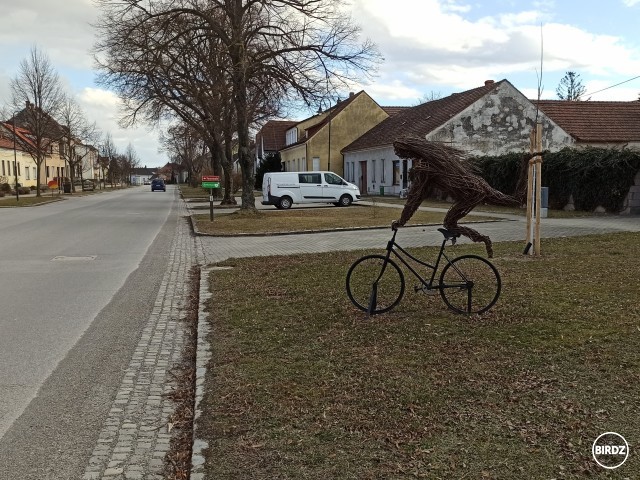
(488, 82)
(351, 94)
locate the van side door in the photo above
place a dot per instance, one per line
(310, 187)
(333, 186)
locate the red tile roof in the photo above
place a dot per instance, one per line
(590, 121)
(391, 111)
(273, 134)
(6, 137)
(420, 120)
(6, 143)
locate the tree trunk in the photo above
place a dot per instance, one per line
(38, 170)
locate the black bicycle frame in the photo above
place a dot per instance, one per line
(392, 246)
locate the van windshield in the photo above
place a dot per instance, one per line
(332, 179)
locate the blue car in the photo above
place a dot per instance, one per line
(158, 184)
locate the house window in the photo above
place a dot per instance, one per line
(3, 171)
(396, 172)
(382, 168)
(19, 171)
(8, 168)
(292, 136)
(373, 171)
(35, 173)
(26, 172)
(48, 172)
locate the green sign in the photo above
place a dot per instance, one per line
(210, 184)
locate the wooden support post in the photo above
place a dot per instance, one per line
(530, 187)
(538, 167)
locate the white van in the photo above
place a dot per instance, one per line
(283, 189)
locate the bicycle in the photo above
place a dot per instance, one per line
(468, 284)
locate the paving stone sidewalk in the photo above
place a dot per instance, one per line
(135, 436)
(221, 248)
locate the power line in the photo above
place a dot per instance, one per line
(602, 90)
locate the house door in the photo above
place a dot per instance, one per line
(363, 178)
(405, 176)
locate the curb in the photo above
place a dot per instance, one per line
(203, 355)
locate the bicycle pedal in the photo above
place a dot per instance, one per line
(427, 291)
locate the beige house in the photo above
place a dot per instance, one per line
(315, 143)
(52, 168)
(15, 162)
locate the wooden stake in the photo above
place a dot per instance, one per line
(530, 191)
(538, 167)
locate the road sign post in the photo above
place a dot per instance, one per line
(211, 182)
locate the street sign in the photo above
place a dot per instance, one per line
(210, 184)
(210, 178)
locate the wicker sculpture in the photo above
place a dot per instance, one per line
(437, 166)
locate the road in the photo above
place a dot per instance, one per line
(77, 279)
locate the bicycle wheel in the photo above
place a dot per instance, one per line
(370, 295)
(470, 284)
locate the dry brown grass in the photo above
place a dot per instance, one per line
(303, 386)
(304, 219)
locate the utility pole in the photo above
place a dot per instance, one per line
(15, 157)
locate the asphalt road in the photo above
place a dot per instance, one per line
(78, 279)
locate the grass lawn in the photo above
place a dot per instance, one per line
(10, 201)
(300, 219)
(302, 385)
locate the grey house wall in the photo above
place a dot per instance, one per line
(500, 123)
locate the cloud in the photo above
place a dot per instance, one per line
(442, 45)
(630, 3)
(103, 106)
(66, 33)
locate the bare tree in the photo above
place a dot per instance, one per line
(107, 153)
(171, 70)
(185, 147)
(38, 90)
(571, 88)
(267, 49)
(128, 162)
(78, 134)
(429, 97)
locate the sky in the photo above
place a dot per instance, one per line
(430, 48)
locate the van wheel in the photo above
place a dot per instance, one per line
(345, 200)
(285, 203)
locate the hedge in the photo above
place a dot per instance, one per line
(593, 176)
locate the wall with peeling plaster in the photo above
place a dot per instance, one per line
(500, 123)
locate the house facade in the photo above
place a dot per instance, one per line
(15, 163)
(142, 175)
(493, 119)
(316, 142)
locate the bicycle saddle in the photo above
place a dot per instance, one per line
(447, 234)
